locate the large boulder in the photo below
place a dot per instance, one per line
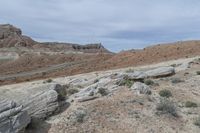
(160, 72)
(136, 75)
(42, 104)
(13, 118)
(141, 88)
(39, 101)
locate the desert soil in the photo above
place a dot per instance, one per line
(124, 111)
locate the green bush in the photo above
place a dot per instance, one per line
(197, 121)
(176, 80)
(198, 72)
(48, 81)
(102, 91)
(129, 71)
(167, 107)
(80, 115)
(127, 83)
(96, 80)
(190, 104)
(173, 65)
(149, 82)
(165, 93)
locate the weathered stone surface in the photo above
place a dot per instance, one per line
(137, 75)
(7, 30)
(183, 66)
(11, 36)
(141, 88)
(87, 98)
(12, 117)
(92, 90)
(40, 102)
(87, 91)
(160, 72)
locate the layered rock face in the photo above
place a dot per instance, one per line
(11, 36)
(13, 118)
(88, 48)
(27, 104)
(9, 30)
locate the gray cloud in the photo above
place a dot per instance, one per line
(117, 24)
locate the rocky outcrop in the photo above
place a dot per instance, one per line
(44, 101)
(141, 88)
(11, 36)
(7, 30)
(161, 72)
(137, 75)
(39, 102)
(88, 48)
(152, 73)
(13, 118)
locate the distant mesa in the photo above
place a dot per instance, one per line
(11, 36)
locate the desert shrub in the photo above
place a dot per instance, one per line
(198, 72)
(126, 81)
(80, 117)
(190, 104)
(48, 81)
(165, 93)
(149, 82)
(129, 71)
(44, 73)
(197, 121)
(102, 91)
(167, 107)
(176, 80)
(61, 90)
(173, 65)
(186, 73)
(96, 80)
(91, 93)
(79, 86)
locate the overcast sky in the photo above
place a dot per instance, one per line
(117, 24)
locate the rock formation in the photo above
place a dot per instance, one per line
(13, 118)
(10, 36)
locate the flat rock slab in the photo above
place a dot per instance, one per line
(161, 72)
(137, 75)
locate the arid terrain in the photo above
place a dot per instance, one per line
(23, 59)
(123, 100)
(53, 87)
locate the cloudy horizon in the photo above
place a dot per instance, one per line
(118, 25)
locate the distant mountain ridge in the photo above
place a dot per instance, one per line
(11, 36)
